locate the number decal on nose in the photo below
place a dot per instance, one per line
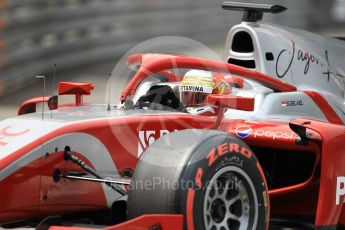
(8, 132)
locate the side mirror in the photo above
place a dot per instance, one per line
(75, 88)
(232, 102)
(29, 106)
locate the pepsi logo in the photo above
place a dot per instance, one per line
(243, 131)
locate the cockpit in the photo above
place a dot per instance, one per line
(190, 88)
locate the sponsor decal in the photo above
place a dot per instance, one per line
(243, 131)
(340, 190)
(192, 88)
(273, 134)
(147, 137)
(9, 132)
(305, 59)
(291, 103)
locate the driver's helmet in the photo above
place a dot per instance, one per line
(197, 84)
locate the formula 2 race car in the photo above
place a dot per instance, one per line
(254, 142)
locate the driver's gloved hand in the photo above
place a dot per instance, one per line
(161, 95)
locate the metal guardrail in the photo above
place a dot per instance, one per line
(35, 34)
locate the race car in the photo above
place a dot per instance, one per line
(251, 142)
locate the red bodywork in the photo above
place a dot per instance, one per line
(123, 136)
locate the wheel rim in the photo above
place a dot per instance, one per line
(230, 201)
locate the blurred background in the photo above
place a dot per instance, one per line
(85, 38)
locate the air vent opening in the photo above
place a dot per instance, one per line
(244, 63)
(284, 168)
(242, 43)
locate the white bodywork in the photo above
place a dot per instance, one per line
(308, 61)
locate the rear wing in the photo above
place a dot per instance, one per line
(252, 11)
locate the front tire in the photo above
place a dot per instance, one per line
(213, 179)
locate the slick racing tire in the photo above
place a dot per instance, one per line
(214, 180)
